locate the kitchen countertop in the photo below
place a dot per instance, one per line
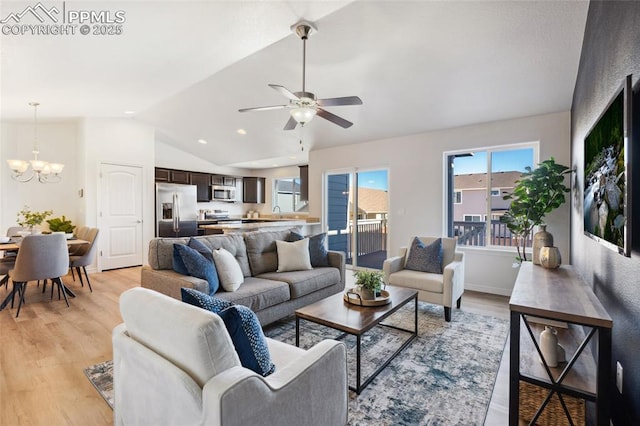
(265, 219)
(230, 227)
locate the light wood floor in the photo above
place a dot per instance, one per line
(44, 351)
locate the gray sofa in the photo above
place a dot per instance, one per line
(271, 295)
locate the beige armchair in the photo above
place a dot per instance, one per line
(175, 364)
(442, 289)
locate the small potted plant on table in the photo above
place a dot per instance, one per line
(369, 283)
(61, 224)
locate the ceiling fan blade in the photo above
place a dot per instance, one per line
(347, 100)
(291, 124)
(286, 92)
(334, 118)
(264, 108)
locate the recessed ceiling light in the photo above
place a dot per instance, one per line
(202, 141)
(241, 131)
(129, 112)
(293, 157)
(274, 165)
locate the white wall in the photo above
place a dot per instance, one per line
(416, 184)
(58, 142)
(117, 141)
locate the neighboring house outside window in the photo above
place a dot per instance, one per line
(478, 195)
(457, 197)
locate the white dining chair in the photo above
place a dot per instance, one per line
(40, 257)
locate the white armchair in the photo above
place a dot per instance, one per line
(175, 364)
(442, 289)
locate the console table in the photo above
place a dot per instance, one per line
(560, 295)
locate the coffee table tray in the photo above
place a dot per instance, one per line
(353, 296)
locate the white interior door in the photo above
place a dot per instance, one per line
(120, 215)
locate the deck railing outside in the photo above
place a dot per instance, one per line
(372, 236)
(474, 234)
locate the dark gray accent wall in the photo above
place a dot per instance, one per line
(610, 51)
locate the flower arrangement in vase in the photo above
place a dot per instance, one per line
(32, 219)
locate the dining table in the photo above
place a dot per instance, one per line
(13, 245)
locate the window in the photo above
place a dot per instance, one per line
(286, 195)
(457, 197)
(485, 175)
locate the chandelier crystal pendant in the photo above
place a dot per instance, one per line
(45, 171)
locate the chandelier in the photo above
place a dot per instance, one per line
(46, 172)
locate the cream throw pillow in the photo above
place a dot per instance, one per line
(293, 256)
(229, 270)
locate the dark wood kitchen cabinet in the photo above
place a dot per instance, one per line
(173, 176)
(253, 190)
(180, 176)
(163, 175)
(304, 183)
(202, 182)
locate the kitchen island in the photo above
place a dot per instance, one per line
(246, 225)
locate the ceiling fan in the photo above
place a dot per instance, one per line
(303, 105)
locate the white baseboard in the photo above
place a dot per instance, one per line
(487, 289)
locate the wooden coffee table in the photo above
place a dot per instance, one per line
(356, 320)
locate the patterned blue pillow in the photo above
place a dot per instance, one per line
(248, 339)
(198, 266)
(204, 301)
(425, 258)
(317, 250)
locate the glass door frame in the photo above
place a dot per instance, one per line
(353, 191)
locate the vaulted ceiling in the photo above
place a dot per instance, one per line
(186, 67)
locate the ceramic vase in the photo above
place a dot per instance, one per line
(542, 238)
(367, 294)
(550, 257)
(549, 346)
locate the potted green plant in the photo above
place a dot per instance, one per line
(369, 282)
(30, 219)
(537, 193)
(61, 224)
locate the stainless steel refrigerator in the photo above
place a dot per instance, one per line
(176, 210)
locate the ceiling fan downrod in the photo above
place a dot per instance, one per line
(303, 29)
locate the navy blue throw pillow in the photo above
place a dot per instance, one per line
(178, 264)
(248, 339)
(198, 266)
(425, 258)
(201, 248)
(317, 250)
(204, 301)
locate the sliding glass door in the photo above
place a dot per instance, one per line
(356, 216)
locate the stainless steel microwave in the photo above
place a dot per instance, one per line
(223, 193)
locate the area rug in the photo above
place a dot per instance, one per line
(444, 377)
(101, 377)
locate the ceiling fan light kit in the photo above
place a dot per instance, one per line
(303, 114)
(303, 105)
